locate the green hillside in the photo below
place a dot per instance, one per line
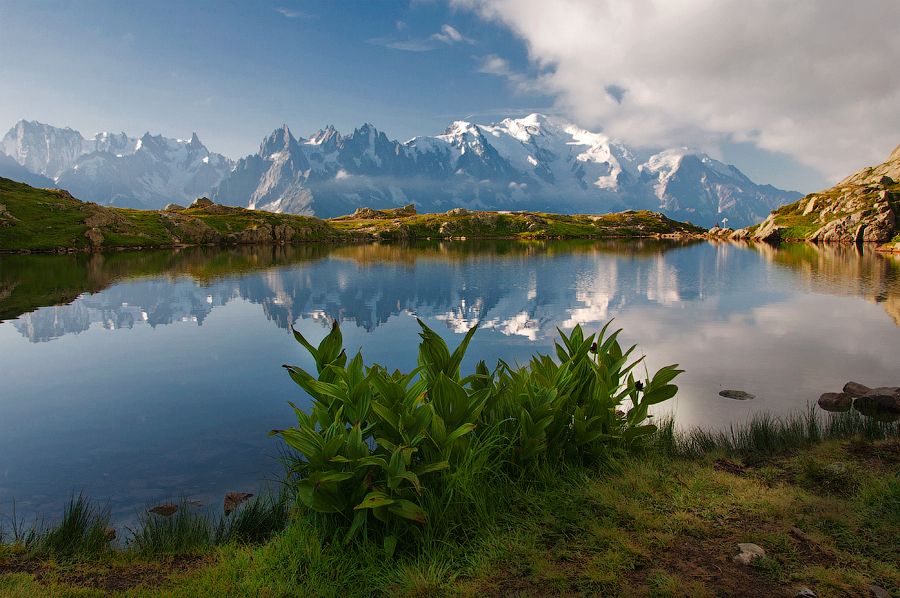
(51, 220)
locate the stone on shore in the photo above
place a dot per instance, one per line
(749, 553)
(855, 389)
(836, 401)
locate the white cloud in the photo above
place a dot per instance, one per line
(448, 36)
(413, 45)
(816, 80)
(292, 14)
(494, 65)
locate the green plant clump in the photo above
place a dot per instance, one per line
(391, 456)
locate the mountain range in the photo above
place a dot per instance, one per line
(536, 163)
(112, 169)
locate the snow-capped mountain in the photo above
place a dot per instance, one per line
(535, 163)
(115, 169)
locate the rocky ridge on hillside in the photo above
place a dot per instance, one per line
(862, 208)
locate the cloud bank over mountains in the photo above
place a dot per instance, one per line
(815, 80)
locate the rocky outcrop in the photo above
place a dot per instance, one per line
(370, 214)
(863, 208)
(195, 231)
(769, 231)
(200, 203)
(266, 233)
(867, 221)
(877, 174)
(6, 219)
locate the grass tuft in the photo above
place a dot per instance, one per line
(766, 434)
(193, 528)
(82, 534)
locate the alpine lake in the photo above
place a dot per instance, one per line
(139, 378)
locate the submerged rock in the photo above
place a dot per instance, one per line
(233, 499)
(166, 510)
(737, 395)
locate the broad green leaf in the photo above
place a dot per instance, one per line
(408, 510)
(374, 500)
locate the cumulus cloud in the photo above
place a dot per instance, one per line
(816, 80)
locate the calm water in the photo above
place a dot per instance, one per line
(139, 377)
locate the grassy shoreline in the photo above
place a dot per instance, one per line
(52, 221)
(660, 523)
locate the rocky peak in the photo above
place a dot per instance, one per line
(195, 144)
(280, 140)
(154, 144)
(42, 149)
(327, 137)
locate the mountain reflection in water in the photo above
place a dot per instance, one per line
(516, 287)
(139, 376)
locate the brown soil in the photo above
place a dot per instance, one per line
(109, 579)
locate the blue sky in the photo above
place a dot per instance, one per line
(795, 97)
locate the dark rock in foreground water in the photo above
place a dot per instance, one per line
(855, 389)
(882, 404)
(836, 401)
(737, 395)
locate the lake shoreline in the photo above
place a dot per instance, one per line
(642, 525)
(52, 221)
